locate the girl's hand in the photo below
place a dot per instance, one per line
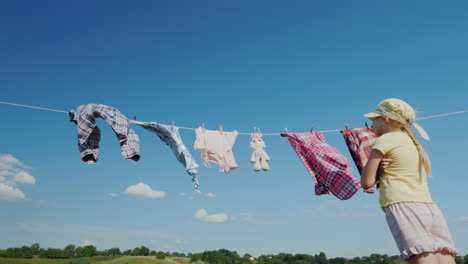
(384, 163)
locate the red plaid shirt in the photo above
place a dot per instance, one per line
(359, 142)
(328, 167)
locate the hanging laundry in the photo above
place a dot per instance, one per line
(359, 142)
(328, 167)
(170, 135)
(216, 147)
(89, 133)
(259, 155)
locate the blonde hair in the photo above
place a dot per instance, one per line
(423, 157)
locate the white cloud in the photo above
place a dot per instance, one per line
(12, 173)
(89, 243)
(144, 191)
(202, 215)
(24, 177)
(181, 242)
(5, 173)
(210, 195)
(7, 162)
(112, 194)
(199, 193)
(9, 193)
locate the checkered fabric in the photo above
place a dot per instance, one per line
(359, 142)
(89, 149)
(170, 135)
(328, 167)
(89, 133)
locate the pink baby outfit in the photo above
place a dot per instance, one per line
(217, 148)
(329, 169)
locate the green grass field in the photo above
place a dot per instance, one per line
(33, 261)
(119, 260)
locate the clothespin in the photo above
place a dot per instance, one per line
(347, 127)
(367, 126)
(134, 118)
(221, 129)
(258, 129)
(173, 122)
(311, 129)
(286, 130)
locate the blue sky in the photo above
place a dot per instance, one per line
(240, 64)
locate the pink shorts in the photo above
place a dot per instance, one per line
(419, 228)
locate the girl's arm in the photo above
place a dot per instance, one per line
(369, 175)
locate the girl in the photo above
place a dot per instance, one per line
(416, 223)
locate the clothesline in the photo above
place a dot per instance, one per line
(328, 177)
(272, 134)
(29, 106)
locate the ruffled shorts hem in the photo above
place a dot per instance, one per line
(408, 253)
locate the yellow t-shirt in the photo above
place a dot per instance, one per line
(404, 180)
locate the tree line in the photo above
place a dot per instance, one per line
(72, 251)
(222, 256)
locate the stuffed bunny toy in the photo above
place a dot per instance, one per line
(259, 156)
